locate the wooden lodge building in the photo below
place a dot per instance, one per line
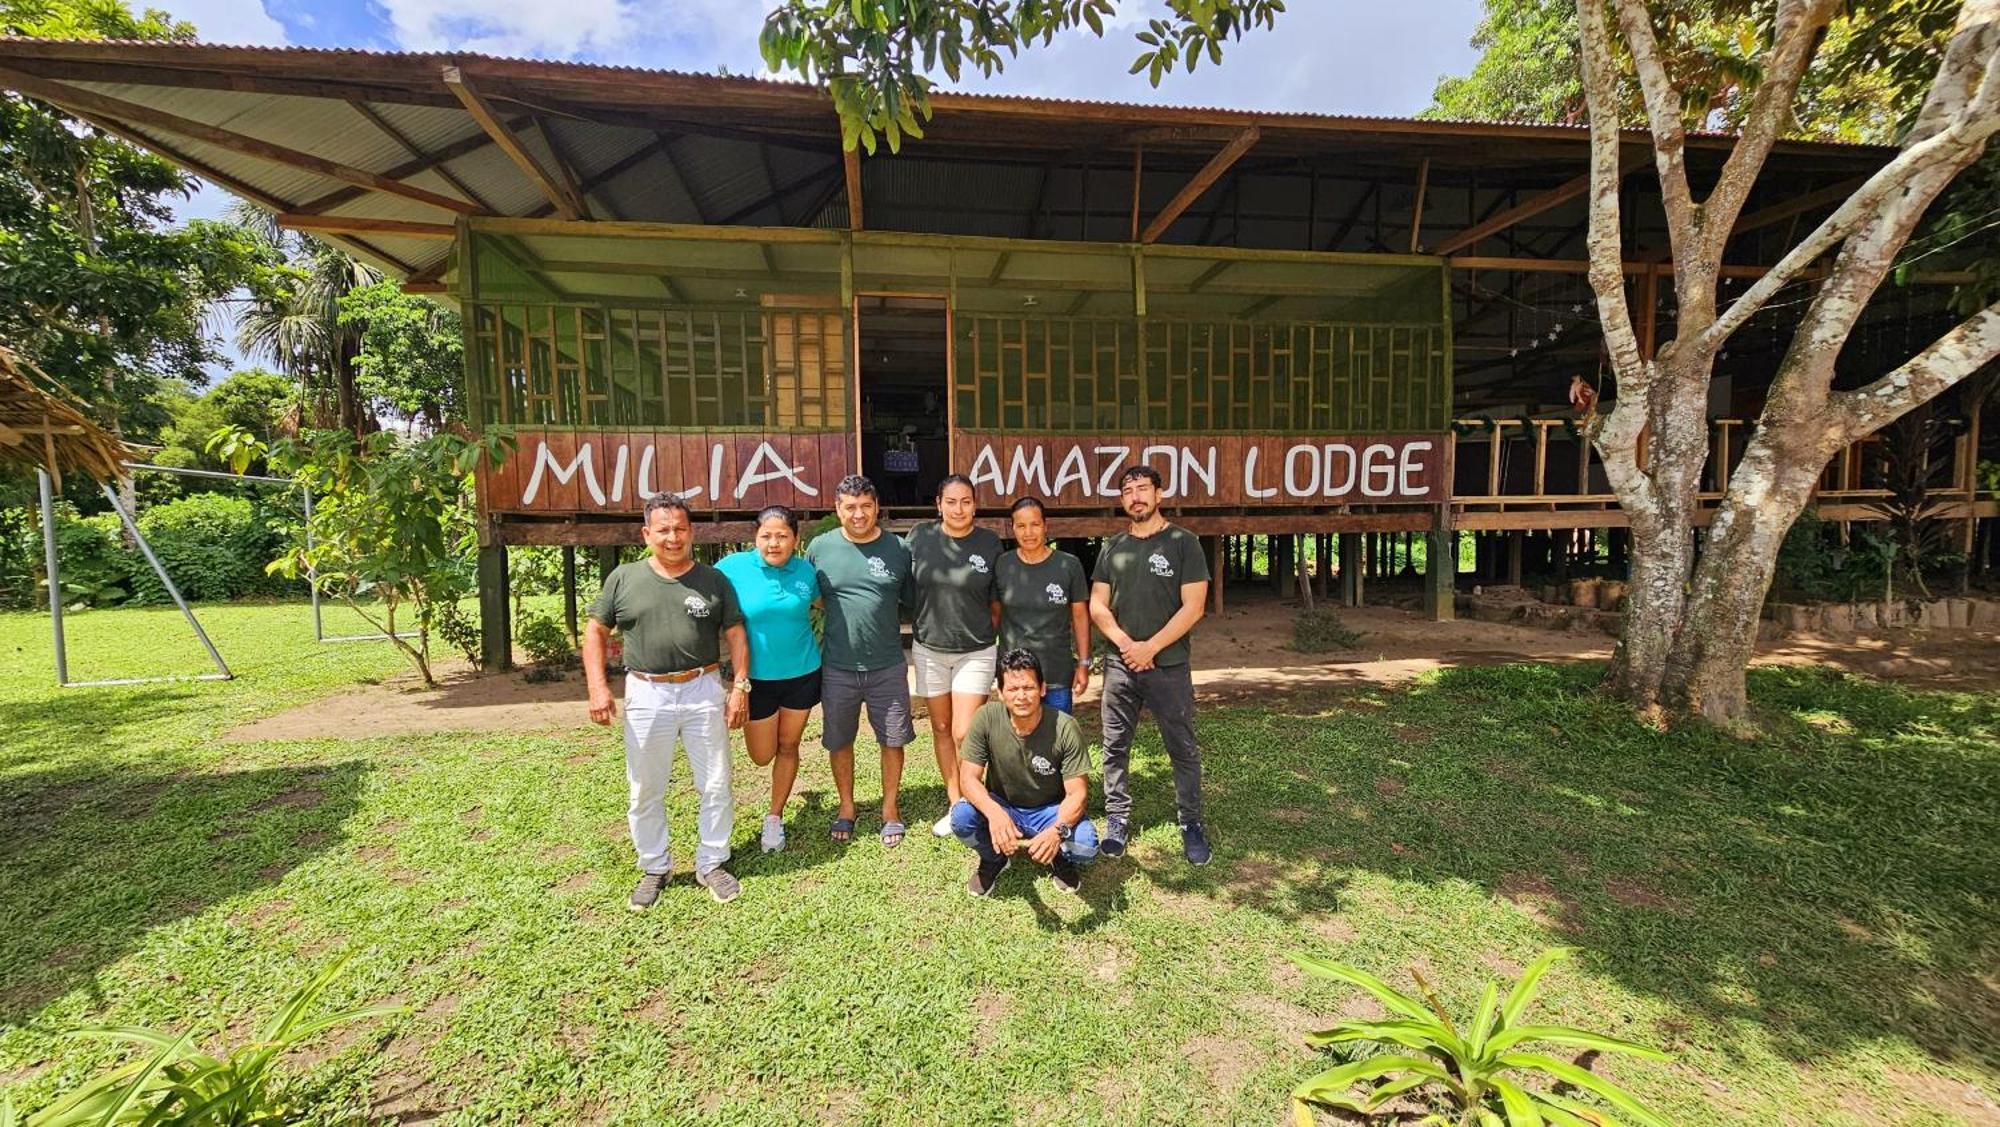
(1347, 329)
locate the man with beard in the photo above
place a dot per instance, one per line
(1147, 591)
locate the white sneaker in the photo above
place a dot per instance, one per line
(774, 833)
(941, 827)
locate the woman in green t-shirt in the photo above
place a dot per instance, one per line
(953, 624)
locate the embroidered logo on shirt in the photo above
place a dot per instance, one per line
(878, 567)
(1160, 565)
(1042, 766)
(978, 563)
(804, 589)
(1055, 591)
(697, 607)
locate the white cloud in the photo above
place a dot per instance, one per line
(235, 22)
(690, 34)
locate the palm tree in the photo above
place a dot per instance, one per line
(297, 328)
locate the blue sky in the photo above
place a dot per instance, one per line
(1331, 56)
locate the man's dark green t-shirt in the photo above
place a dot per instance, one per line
(864, 586)
(1145, 574)
(668, 624)
(954, 587)
(1026, 771)
(1035, 602)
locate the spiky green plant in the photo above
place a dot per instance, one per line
(1482, 1073)
(174, 1086)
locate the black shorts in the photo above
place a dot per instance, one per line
(767, 697)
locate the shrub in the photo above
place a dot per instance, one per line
(1319, 630)
(459, 630)
(214, 546)
(544, 639)
(176, 1086)
(1477, 1070)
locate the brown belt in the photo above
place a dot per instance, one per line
(678, 677)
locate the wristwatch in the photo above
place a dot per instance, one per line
(742, 685)
(1064, 830)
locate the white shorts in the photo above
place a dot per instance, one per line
(939, 673)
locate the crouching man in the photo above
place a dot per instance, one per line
(1024, 772)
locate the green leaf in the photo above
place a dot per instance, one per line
(1483, 1017)
(1524, 990)
(1422, 1036)
(1388, 995)
(1331, 1088)
(1589, 1081)
(1578, 1038)
(1519, 1106)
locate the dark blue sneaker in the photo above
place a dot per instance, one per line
(1194, 843)
(1113, 842)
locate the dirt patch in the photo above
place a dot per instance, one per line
(1634, 893)
(989, 1014)
(658, 1008)
(1389, 788)
(1103, 961)
(1940, 1093)
(556, 854)
(1533, 894)
(841, 1106)
(298, 798)
(1289, 1022)
(479, 835)
(1225, 1061)
(1291, 815)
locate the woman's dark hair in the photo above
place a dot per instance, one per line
(779, 512)
(1034, 503)
(856, 485)
(667, 502)
(1133, 472)
(1020, 661)
(952, 479)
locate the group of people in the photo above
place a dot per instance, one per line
(982, 616)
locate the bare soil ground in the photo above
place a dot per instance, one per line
(1245, 652)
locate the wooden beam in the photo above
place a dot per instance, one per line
(565, 174)
(1138, 178)
(420, 288)
(355, 225)
(1203, 180)
(1528, 208)
(1209, 275)
(461, 147)
(388, 129)
(88, 101)
(850, 160)
(1829, 196)
(828, 178)
(454, 81)
(1417, 209)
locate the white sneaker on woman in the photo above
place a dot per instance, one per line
(774, 833)
(942, 827)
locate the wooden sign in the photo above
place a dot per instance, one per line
(1074, 471)
(604, 471)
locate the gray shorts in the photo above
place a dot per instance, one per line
(886, 692)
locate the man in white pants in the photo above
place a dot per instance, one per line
(674, 615)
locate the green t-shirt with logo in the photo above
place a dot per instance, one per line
(1035, 602)
(668, 624)
(864, 586)
(1026, 771)
(954, 587)
(1145, 574)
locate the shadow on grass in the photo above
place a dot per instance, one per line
(36, 727)
(92, 857)
(1829, 884)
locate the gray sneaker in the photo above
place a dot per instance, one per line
(720, 885)
(647, 891)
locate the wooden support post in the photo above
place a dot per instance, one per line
(1304, 577)
(1417, 209)
(496, 628)
(1280, 557)
(569, 592)
(607, 561)
(1322, 565)
(1218, 577)
(1441, 569)
(1138, 177)
(1352, 585)
(482, 113)
(850, 160)
(1517, 542)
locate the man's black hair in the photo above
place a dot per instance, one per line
(664, 502)
(1147, 472)
(1034, 503)
(1020, 661)
(856, 485)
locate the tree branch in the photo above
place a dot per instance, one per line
(1958, 141)
(1607, 259)
(1663, 112)
(1800, 23)
(1974, 343)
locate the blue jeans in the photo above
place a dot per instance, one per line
(1058, 697)
(969, 826)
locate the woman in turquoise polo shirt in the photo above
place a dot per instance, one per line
(777, 589)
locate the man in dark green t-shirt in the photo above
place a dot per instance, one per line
(1025, 774)
(675, 616)
(1148, 590)
(864, 582)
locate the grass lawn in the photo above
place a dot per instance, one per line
(1809, 922)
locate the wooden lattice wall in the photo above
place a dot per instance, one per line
(1078, 374)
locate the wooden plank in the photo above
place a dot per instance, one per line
(850, 162)
(695, 447)
(1417, 208)
(90, 101)
(388, 129)
(355, 225)
(1533, 206)
(566, 179)
(1203, 180)
(454, 81)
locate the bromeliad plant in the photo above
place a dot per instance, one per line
(175, 1086)
(1482, 1071)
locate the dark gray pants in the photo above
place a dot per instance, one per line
(1168, 693)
